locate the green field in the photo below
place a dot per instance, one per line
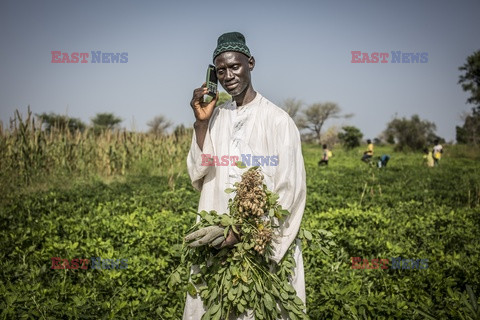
(135, 202)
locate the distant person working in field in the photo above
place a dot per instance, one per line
(437, 152)
(248, 124)
(325, 156)
(383, 160)
(428, 158)
(368, 154)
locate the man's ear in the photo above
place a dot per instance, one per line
(251, 63)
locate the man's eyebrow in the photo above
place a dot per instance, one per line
(228, 65)
(234, 63)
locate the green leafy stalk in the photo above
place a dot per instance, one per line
(233, 280)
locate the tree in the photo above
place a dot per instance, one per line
(159, 125)
(413, 134)
(180, 131)
(330, 136)
(350, 137)
(61, 122)
(292, 106)
(388, 137)
(314, 117)
(470, 81)
(105, 121)
(469, 133)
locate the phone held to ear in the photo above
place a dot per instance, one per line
(212, 81)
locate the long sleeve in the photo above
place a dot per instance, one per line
(290, 185)
(195, 164)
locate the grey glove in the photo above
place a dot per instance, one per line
(212, 235)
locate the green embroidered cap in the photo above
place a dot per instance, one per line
(231, 41)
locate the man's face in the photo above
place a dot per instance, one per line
(233, 71)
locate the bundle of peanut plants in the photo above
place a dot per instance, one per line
(243, 278)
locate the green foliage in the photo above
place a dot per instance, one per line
(470, 80)
(407, 210)
(351, 137)
(233, 280)
(469, 133)
(222, 98)
(60, 122)
(29, 154)
(105, 121)
(139, 220)
(414, 134)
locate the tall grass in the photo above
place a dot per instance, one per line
(29, 154)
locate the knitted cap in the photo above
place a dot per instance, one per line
(231, 41)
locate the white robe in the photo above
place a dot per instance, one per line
(258, 128)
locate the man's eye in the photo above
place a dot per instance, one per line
(236, 67)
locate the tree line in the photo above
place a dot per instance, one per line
(406, 134)
(158, 126)
(101, 122)
(413, 133)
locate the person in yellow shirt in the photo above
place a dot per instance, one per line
(326, 155)
(367, 155)
(428, 158)
(437, 152)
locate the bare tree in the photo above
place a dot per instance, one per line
(292, 106)
(314, 117)
(330, 136)
(159, 125)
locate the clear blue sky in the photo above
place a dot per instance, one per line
(302, 49)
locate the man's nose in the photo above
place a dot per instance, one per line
(229, 74)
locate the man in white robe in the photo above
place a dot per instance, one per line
(252, 126)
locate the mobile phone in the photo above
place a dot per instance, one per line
(212, 80)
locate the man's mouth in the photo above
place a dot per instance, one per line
(231, 86)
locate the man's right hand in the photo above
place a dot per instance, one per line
(202, 110)
(206, 236)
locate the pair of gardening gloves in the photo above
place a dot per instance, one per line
(212, 236)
